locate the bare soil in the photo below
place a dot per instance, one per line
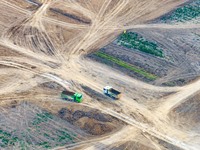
(30, 5)
(30, 37)
(52, 49)
(186, 115)
(68, 15)
(6, 52)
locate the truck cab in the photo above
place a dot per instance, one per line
(78, 97)
(106, 89)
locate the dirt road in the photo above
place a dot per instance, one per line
(106, 25)
(178, 98)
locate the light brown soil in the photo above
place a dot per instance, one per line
(66, 14)
(54, 50)
(24, 4)
(8, 52)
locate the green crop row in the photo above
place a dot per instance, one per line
(185, 13)
(134, 41)
(128, 66)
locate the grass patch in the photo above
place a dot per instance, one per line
(128, 66)
(185, 13)
(134, 41)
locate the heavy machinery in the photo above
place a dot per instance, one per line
(108, 90)
(71, 96)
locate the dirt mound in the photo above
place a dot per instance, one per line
(91, 121)
(93, 127)
(187, 114)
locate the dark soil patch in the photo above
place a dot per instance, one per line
(91, 121)
(71, 16)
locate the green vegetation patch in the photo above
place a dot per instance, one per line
(45, 145)
(128, 66)
(185, 13)
(43, 131)
(7, 139)
(134, 41)
(61, 136)
(65, 136)
(42, 117)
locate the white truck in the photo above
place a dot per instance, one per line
(109, 91)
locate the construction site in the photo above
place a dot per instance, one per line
(100, 75)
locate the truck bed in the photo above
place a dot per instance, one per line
(68, 93)
(115, 91)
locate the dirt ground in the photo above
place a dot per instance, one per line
(45, 52)
(187, 118)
